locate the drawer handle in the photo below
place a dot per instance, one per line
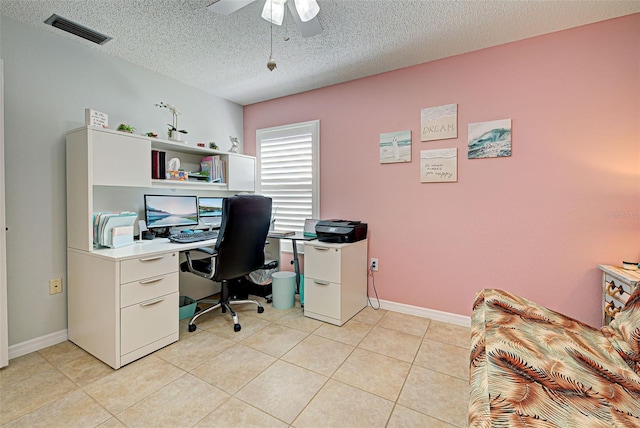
(151, 280)
(611, 310)
(151, 259)
(321, 248)
(320, 282)
(152, 302)
(611, 289)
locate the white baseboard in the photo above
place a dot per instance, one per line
(425, 313)
(24, 348)
(41, 342)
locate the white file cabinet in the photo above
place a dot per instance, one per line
(335, 280)
(121, 310)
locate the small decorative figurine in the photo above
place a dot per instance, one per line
(235, 143)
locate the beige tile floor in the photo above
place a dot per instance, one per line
(380, 369)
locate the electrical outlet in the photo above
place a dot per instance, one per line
(374, 264)
(55, 286)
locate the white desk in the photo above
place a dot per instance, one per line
(123, 303)
(157, 246)
(296, 262)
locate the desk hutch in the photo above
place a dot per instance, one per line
(123, 303)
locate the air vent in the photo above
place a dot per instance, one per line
(77, 29)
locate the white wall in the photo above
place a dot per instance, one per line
(49, 81)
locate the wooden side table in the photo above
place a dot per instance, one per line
(617, 286)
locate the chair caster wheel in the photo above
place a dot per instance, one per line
(236, 327)
(269, 300)
(260, 309)
(192, 328)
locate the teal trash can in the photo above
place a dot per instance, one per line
(283, 289)
(187, 307)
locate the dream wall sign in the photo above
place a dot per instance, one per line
(439, 123)
(490, 139)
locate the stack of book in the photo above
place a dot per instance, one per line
(199, 176)
(215, 168)
(158, 164)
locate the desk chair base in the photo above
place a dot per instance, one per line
(226, 306)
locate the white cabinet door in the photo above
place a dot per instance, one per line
(120, 160)
(241, 172)
(4, 329)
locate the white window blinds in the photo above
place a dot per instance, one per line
(288, 171)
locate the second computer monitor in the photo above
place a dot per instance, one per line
(210, 211)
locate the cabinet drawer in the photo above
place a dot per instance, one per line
(322, 262)
(148, 321)
(617, 289)
(147, 267)
(612, 306)
(148, 288)
(322, 297)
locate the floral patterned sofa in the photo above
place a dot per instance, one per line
(533, 367)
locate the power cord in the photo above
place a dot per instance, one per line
(373, 284)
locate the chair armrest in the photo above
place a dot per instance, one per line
(208, 274)
(206, 250)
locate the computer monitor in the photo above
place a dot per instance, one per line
(210, 211)
(167, 211)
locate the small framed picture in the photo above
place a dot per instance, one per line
(395, 147)
(95, 118)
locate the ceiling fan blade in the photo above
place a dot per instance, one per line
(309, 28)
(227, 7)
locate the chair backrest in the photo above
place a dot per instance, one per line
(242, 236)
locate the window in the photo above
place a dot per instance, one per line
(288, 172)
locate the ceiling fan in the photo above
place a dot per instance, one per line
(304, 12)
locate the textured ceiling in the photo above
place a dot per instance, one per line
(227, 55)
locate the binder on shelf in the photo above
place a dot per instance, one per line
(155, 159)
(163, 165)
(113, 229)
(158, 165)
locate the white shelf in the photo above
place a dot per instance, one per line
(174, 146)
(177, 184)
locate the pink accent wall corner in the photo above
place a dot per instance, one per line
(536, 223)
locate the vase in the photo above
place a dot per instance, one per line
(175, 136)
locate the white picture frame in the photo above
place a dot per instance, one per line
(439, 123)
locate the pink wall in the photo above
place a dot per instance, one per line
(537, 223)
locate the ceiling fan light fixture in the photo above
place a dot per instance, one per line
(307, 9)
(273, 11)
(271, 64)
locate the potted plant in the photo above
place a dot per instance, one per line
(173, 132)
(126, 128)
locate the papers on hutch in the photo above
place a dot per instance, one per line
(113, 230)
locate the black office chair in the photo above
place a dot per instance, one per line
(239, 250)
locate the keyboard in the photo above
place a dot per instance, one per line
(186, 238)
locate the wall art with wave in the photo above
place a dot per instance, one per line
(490, 139)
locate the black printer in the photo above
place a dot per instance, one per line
(341, 230)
